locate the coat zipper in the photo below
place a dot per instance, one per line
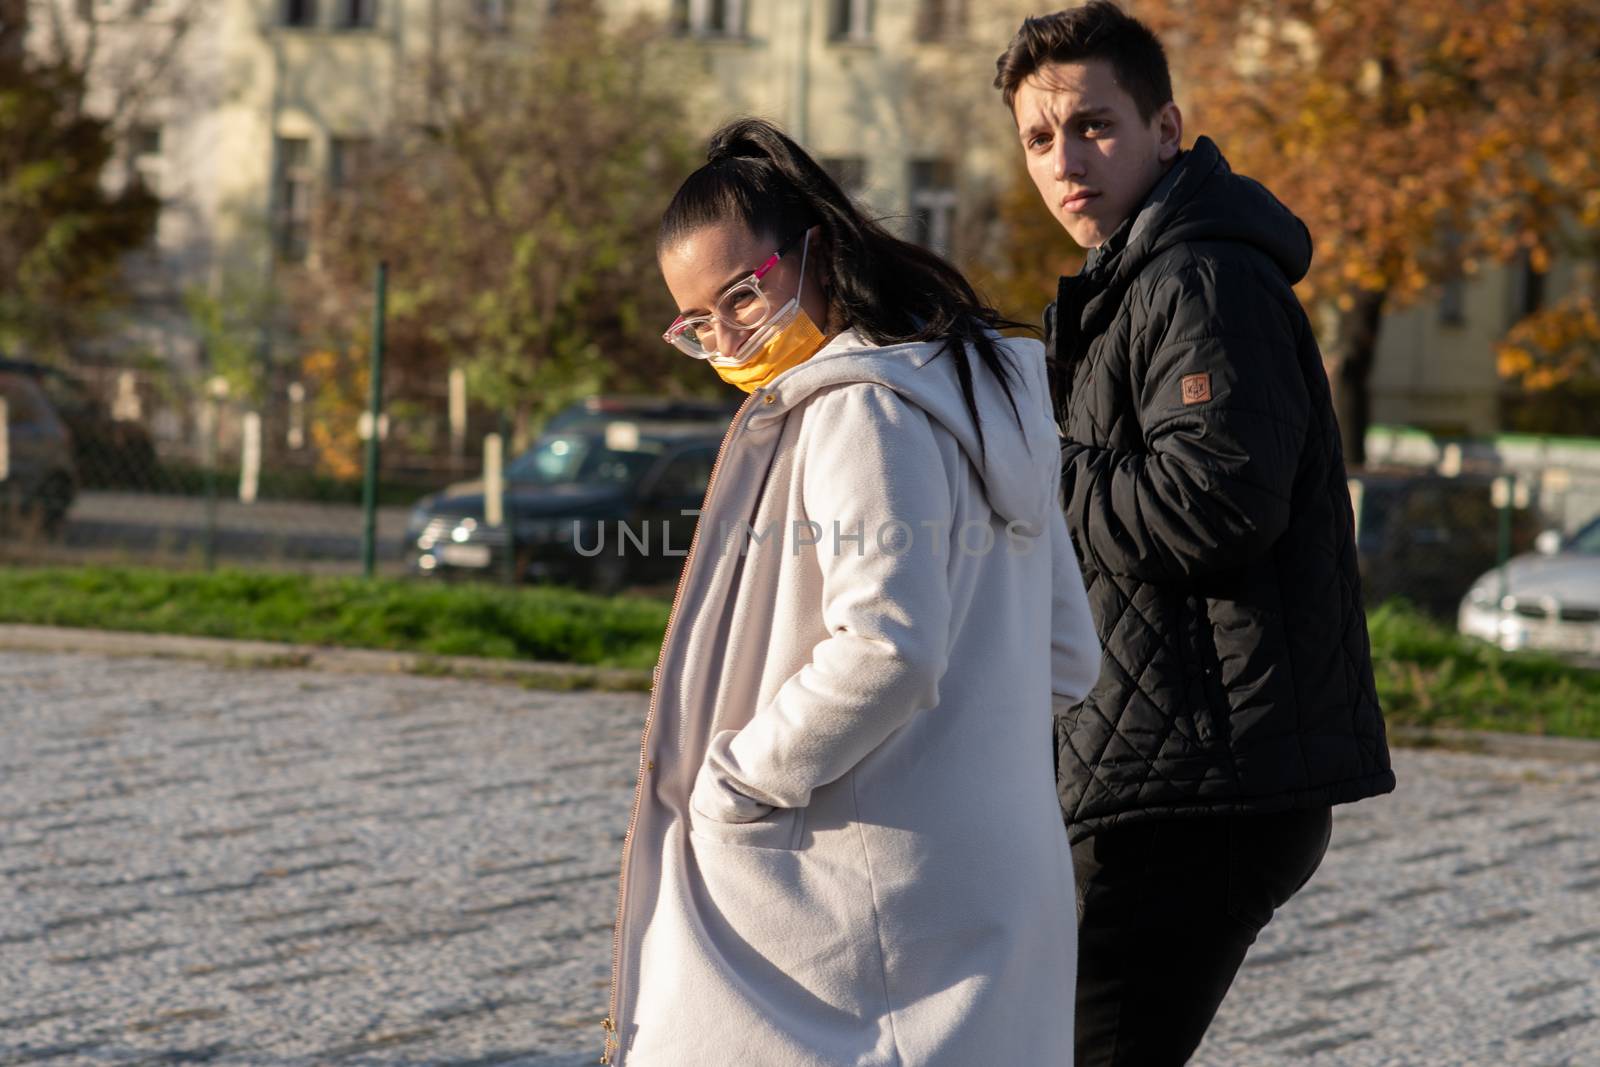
(610, 1023)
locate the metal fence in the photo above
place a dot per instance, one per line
(115, 465)
(1437, 518)
(129, 466)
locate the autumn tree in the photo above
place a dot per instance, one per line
(63, 233)
(1551, 361)
(1033, 250)
(1416, 140)
(515, 200)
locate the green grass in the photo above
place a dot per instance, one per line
(1430, 676)
(552, 625)
(1427, 675)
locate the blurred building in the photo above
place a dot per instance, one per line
(265, 105)
(1436, 365)
(262, 106)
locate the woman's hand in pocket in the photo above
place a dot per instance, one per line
(717, 798)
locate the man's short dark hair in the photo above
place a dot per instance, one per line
(1097, 30)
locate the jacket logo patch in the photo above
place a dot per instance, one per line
(1196, 388)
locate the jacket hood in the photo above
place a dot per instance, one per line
(1018, 465)
(1207, 201)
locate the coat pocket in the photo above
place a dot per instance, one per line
(779, 828)
(1211, 710)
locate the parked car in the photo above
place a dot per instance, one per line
(107, 452)
(39, 483)
(598, 507)
(598, 410)
(1548, 599)
(1425, 537)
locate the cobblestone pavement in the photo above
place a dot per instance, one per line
(280, 867)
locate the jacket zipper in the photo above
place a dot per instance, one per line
(610, 1023)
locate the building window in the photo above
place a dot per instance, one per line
(493, 16)
(933, 203)
(349, 161)
(850, 20)
(300, 12)
(849, 171)
(941, 20)
(1530, 291)
(144, 142)
(144, 155)
(708, 18)
(358, 14)
(294, 187)
(1453, 302)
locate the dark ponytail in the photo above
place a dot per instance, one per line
(890, 291)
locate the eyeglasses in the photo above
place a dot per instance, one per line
(742, 306)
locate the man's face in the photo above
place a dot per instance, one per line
(1090, 155)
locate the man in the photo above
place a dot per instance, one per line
(1205, 489)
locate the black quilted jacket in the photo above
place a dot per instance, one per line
(1205, 489)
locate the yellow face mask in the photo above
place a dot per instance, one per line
(794, 342)
(787, 340)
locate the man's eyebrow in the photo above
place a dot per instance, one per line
(1089, 112)
(1094, 111)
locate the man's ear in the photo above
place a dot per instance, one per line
(1169, 125)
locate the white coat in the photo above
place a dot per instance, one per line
(847, 847)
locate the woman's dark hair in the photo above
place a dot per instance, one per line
(1096, 30)
(890, 291)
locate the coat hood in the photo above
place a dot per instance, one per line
(1018, 464)
(1207, 201)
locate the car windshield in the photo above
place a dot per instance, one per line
(1586, 540)
(581, 459)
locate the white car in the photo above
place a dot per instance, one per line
(1548, 600)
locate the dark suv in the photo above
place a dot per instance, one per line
(107, 452)
(37, 479)
(1427, 537)
(596, 506)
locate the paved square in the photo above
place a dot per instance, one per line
(282, 867)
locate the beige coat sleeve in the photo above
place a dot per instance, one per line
(872, 464)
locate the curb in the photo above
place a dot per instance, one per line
(231, 653)
(1484, 743)
(566, 676)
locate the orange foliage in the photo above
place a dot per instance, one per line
(338, 384)
(1415, 139)
(1554, 346)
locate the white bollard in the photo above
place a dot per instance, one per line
(5, 441)
(364, 426)
(493, 480)
(250, 458)
(127, 407)
(297, 416)
(458, 411)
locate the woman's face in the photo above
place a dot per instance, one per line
(700, 266)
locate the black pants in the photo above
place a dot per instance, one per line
(1166, 911)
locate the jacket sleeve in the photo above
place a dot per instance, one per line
(875, 469)
(1223, 409)
(1074, 646)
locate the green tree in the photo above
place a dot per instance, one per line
(62, 233)
(516, 203)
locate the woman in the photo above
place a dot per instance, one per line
(846, 847)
